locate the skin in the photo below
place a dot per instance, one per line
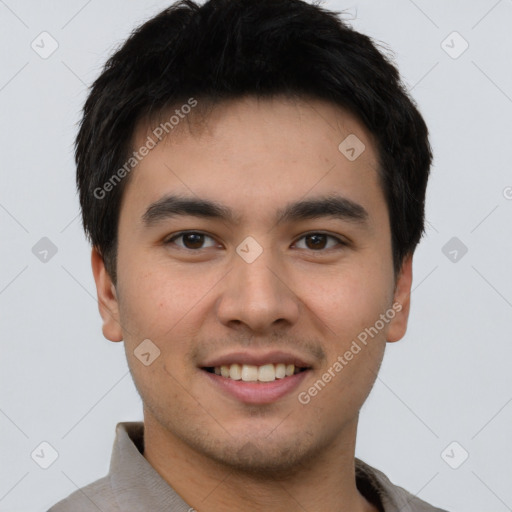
(255, 156)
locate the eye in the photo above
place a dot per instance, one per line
(192, 240)
(318, 241)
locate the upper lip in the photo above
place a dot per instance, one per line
(257, 359)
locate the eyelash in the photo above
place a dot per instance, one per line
(170, 241)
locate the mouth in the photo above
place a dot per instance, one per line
(256, 378)
(268, 372)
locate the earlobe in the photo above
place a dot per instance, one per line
(107, 298)
(401, 302)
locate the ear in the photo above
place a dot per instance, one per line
(107, 298)
(401, 302)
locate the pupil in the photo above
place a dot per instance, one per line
(317, 238)
(196, 240)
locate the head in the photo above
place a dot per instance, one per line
(248, 108)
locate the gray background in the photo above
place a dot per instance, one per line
(448, 380)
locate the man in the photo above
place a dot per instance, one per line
(252, 178)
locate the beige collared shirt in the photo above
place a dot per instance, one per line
(132, 485)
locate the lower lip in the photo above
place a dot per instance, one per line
(257, 392)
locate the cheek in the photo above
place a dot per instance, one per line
(168, 307)
(348, 301)
(153, 301)
(354, 345)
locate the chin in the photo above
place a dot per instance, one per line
(261, 462)
(259, 457)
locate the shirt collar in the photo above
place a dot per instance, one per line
(136, 484)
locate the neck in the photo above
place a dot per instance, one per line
(325, 484)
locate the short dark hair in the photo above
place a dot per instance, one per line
(229, 49)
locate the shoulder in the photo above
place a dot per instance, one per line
(411, 502)
(95, 496)
(392, 495)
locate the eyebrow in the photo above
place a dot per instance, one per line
(334, 206)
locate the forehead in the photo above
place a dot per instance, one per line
(257, 154)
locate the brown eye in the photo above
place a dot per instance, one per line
(192, 240)
(316, 241)
(319, 241)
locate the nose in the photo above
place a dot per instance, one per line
(258, 295)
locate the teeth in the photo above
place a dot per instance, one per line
(235, 372)
(251, 373)
(280, 371)
(266, 373)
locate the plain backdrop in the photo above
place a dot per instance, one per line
(438, 421)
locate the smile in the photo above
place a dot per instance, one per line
(251, 373)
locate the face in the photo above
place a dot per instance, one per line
(292, 267)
